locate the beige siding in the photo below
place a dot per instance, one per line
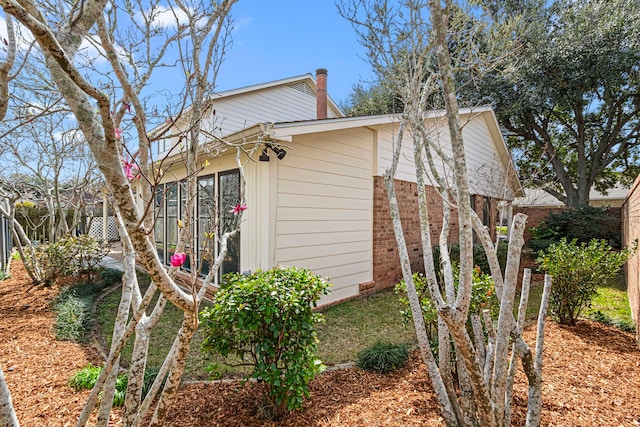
(324, 208)
(277, 104)
(486, 172)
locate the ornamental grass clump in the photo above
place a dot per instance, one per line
(577, 270)
(265, 319)
(383, 358)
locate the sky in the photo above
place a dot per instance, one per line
(277, 39)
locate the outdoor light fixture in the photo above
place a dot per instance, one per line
(264, 157)
(279, 152)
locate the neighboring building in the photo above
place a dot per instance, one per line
(317, 199)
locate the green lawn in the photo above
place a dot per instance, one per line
(348, 328)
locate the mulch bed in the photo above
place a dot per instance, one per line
(591, 378)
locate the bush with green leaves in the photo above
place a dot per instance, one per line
(67, 256)
(482, 297)
(577, 269)
(86, 378)
(583, 224)
(266, 320)
(383, 358)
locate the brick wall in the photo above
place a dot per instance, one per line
(386, 262)
(535, 217)
(630, 232)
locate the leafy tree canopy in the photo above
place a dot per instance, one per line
(568, 98)
(567, 95)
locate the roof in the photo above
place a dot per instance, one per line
(284, 131)
(536, 197)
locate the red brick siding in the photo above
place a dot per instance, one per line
(386, 262)
(631, 232)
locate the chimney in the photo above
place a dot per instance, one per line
(321, 96)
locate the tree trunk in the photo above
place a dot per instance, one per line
(7, 413)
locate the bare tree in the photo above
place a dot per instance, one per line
(102, 57)
(411, 43)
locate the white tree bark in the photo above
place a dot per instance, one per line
(396, 36)
(7, 413)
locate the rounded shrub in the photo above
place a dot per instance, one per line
(383, 358)
(583, 224)
(577, 270)
(266, 320)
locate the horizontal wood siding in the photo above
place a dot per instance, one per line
(277, 104)
(324, 208)
(486, 172)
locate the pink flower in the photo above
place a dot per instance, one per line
(128, 168)
(238, 208)
(118, 133)
(178, 259)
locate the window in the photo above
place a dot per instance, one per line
(216, 196)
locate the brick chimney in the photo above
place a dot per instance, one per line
(321, 96)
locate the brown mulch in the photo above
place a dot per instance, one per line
(591, 378)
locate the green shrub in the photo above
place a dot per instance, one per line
(266, 320)
(70, 319)
(479, 256)
(110, 276)
(577, 270)
(86, 378)
(482, 297)
(583, 224)
(383, 358)
(68, 256)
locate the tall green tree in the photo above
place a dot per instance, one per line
(568, 98)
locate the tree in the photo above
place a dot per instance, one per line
(569, 98)
(411, 44)
(102, 58)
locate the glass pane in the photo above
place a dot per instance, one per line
(229, 198)
(206, 221)
(172, 218)
(158, 230)
(182, 214)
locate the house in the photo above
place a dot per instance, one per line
(316, 197)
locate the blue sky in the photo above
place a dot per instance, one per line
(285, 38)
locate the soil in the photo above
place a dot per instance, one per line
(591, 378)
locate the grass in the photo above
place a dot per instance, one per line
(358, 324)
(612, 299)
(348, 328)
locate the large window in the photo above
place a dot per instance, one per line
(217, 195)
